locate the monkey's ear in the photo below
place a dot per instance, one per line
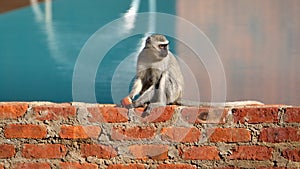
(148, 40)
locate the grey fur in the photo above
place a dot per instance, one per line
(159, 80)
(159, 74)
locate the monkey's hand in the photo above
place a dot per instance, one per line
(126, 102)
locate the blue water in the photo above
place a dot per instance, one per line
(38, 55)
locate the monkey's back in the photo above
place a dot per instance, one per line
(174, 88)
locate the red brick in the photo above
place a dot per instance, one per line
(280, 134)
(44, 151)
(255, 115)
(133, 133)
(77, 165)
(200, 153)
(176, 166)
(108, 114)
(159, 114)
(31, 166)
(12, 110)
(230, 135)
(126, 166)
(292, 115)
(251, 153)
(79, 132)
(292, 154)
(205, 115)
(97, 150)
(7, 150)
(180, 134)
(144, 152)
(54, 111)
(25, 131)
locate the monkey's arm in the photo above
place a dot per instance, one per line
(136, 89)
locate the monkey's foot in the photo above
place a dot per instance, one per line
(145, 114)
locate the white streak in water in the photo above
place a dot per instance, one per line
(48, 10)
(130, 17)
(36, 10)
(151, 25)
(152, 20)
(45, 22)
(129, 23)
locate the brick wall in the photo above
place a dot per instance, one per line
(89, 136)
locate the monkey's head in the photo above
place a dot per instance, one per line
(158, 44)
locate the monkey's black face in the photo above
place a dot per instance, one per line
(163, 50)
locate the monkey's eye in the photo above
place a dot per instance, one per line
(163, 46)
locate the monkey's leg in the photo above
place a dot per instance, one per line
(146, 97)
(159, 95)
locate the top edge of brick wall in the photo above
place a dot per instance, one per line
(241, 114)
(48, 103)
(83, 104)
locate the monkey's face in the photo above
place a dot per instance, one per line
(163, 49)
(159, 45)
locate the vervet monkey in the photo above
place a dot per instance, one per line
(159, 80)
